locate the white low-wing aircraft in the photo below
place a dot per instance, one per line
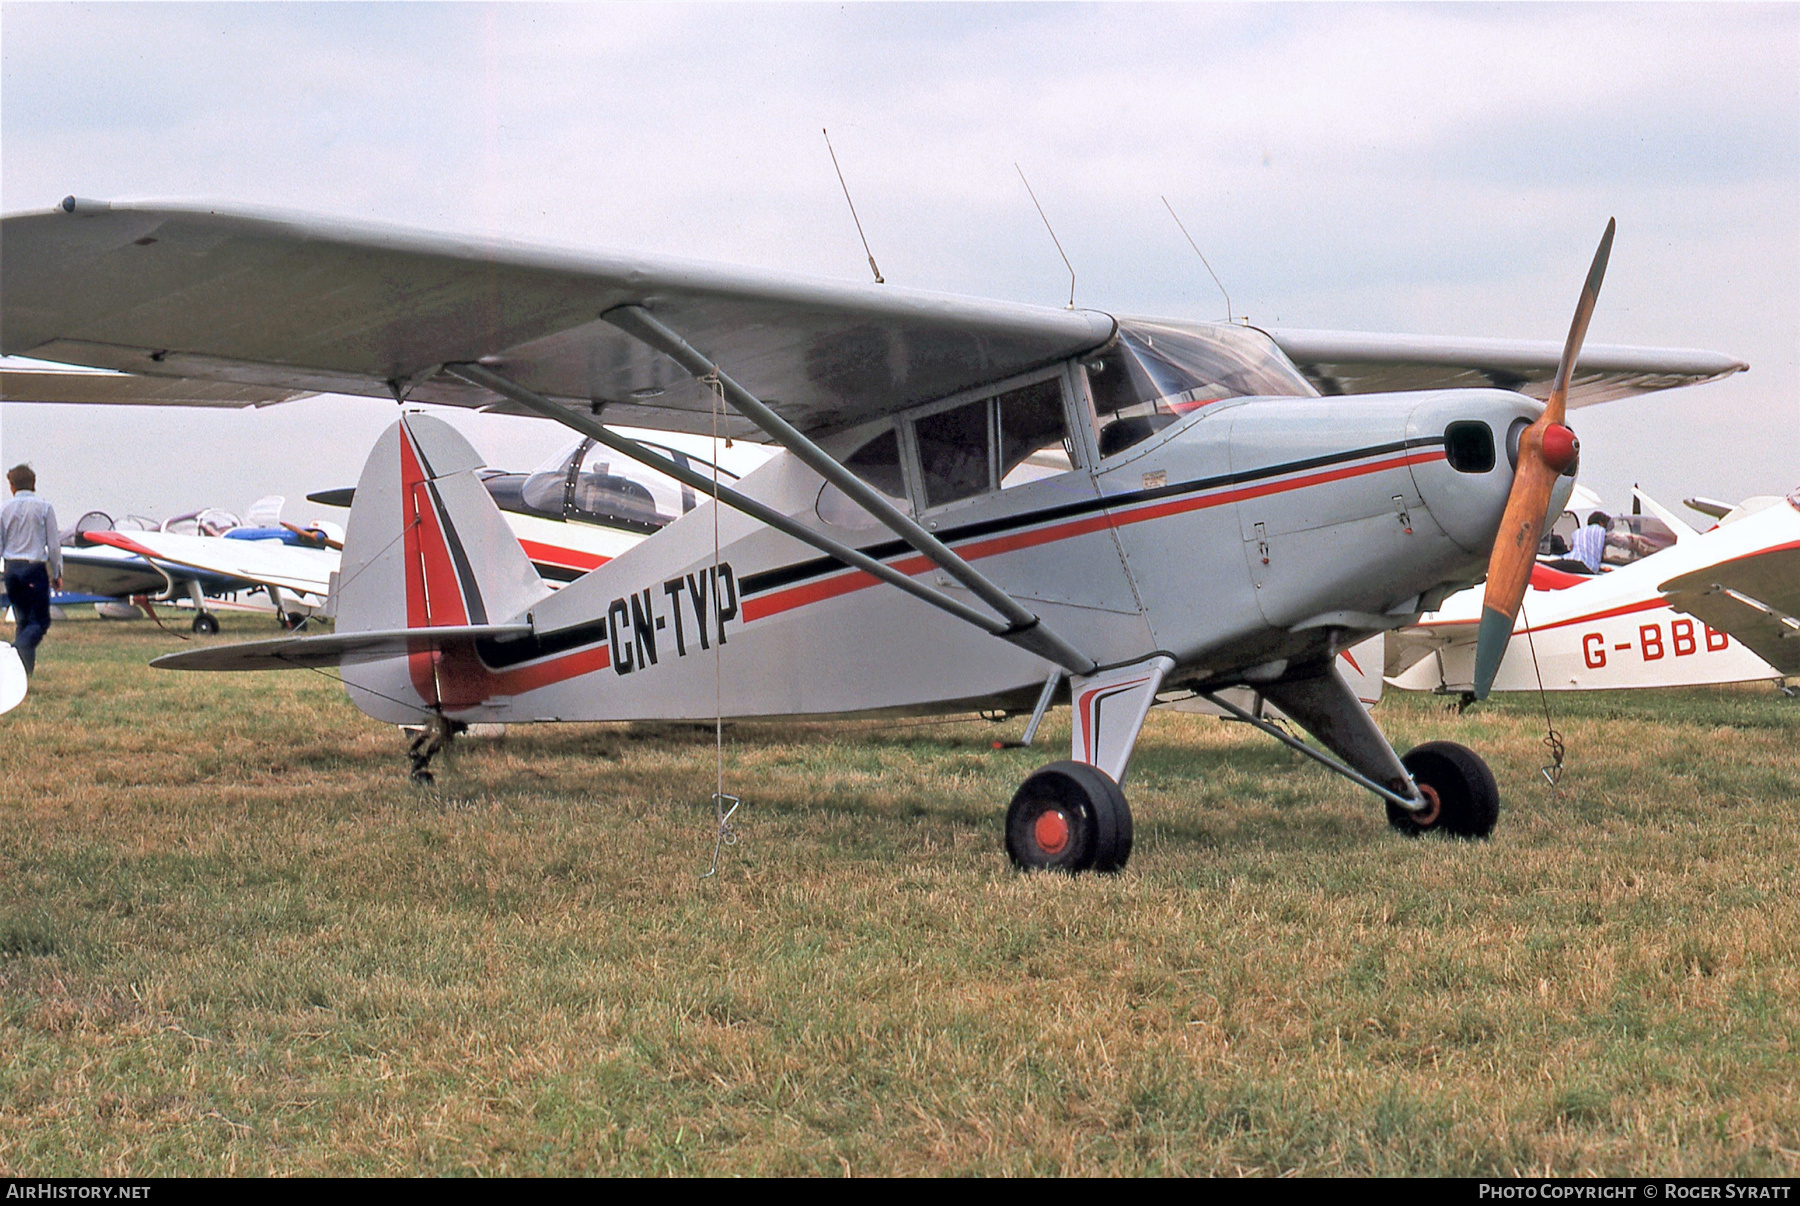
(980, 504)
(1713, 607)
(207, 558)
(293, 566)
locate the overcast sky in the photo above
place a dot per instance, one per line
(1420, 168)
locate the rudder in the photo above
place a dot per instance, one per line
(425, 547)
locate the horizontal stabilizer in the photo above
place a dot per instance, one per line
(337, 649)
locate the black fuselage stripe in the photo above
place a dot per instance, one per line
(767, 580)
(501, 655)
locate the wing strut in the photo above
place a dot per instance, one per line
(1023, 629)
(476, 374)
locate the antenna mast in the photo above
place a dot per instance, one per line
(852, 205)
(1053, 238)
(1197, 251)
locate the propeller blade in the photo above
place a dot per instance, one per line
(316, 535)
(1547, 450)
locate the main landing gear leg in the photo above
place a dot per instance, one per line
(433, 737)
(1437, 786)
(205, 622)
(1072, 816)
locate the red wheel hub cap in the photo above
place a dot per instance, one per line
(1051, 831)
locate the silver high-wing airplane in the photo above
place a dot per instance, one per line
(980, 504)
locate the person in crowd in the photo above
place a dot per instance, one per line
(31, 545)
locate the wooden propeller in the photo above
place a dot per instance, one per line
(1547, 450)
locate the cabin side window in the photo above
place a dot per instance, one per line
(998, 442)
(956, 452)
(1034, 434)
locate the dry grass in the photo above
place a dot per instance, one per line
(234, 940)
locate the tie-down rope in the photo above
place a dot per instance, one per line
(726, 833)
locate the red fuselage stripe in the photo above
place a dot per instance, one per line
(854, 580)
(550, 554)
(1624, 609)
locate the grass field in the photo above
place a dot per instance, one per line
(234, 939)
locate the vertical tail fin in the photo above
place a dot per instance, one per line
(425, 548)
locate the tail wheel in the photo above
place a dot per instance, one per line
(206, 624)
(1461, 795)
(1068, 816)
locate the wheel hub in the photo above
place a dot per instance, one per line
(1428, 816)
(1051, 831)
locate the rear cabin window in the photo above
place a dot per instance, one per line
(877, 462)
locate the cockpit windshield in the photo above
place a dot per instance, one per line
(1157, 371)
(592, 483)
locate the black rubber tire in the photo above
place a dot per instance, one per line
(1469, 799)
(1094, 809)
(206, 624)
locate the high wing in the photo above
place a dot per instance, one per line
(243, 308)
(308, 304)
(255, 562)
(1357, 362)
(1755, 598)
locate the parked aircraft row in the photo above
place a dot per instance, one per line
(977, 504)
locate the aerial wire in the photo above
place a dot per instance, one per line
(1201, 254)
(1053, 238)
(859, 230)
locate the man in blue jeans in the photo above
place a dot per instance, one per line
(31, 545)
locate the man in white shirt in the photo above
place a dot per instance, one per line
(1590, 542)
(31, 545)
